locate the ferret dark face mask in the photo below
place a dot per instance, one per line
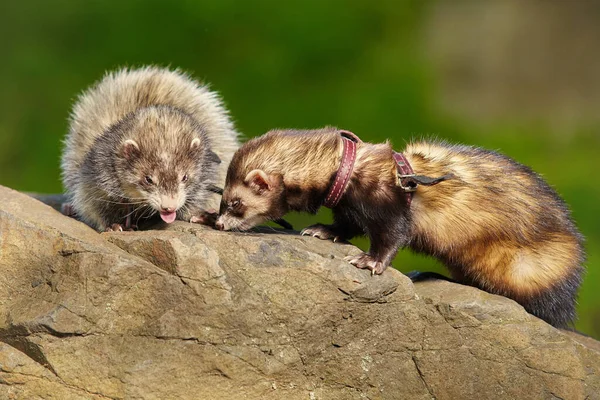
(252, 202)
(160, 185)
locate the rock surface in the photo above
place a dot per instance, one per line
(186, 312)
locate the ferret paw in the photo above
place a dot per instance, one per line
(208, 217)
(119, 228)
(364, 260)
(68, 210)
(323, 232)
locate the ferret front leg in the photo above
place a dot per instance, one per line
(325, 232)
(340, 231)
(117, 228)
(68, 210)
(384, 247)
(204, 217)
(124, 215)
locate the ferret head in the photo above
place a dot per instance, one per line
(251, 200)
(164, 161)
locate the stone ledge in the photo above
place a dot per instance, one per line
(188, 312)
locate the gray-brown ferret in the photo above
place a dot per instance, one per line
(146, 141)
(493, 222)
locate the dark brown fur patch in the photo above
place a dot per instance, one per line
(496, 224)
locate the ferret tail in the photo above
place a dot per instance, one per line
(556, 305)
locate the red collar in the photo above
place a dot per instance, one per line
(407, 180)
(342, 177)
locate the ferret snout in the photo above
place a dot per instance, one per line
(168, 208)
(220, 224)
(168, 203)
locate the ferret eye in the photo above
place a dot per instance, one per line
(148, 180)
(235, 204)
(185, 178)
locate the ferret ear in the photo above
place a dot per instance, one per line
(130, 149)
(195, 144)
(212, 156)
(258, 181)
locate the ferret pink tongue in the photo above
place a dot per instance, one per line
(168, 217)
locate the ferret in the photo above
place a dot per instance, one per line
(494, 223)
(146, 141)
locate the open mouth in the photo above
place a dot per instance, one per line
(168, 217)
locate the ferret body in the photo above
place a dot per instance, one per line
(495, 224)
(142, 142)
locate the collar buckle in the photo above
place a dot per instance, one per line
(407, 183)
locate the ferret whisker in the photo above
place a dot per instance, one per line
(112, 193)
(270, 228)
(135, 210)
(121, 203)
(185, 209)
(144, 211)
(150, 211)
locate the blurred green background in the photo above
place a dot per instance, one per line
(519, 77)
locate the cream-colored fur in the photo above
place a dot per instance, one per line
(122, 92)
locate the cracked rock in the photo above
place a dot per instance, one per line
(187, 312)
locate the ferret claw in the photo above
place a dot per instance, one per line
(68, 210)
(208, 217)
(114, 228)
(120, 228)
(322, 232)
(365, 261)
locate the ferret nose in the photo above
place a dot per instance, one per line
(168, 203)
(219, 225)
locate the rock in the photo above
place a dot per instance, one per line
(53, 200)
(187, 312)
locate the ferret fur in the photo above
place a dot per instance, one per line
(162, 111)
(495, 224)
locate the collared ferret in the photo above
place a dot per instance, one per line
(146, 141)
(493, 222)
